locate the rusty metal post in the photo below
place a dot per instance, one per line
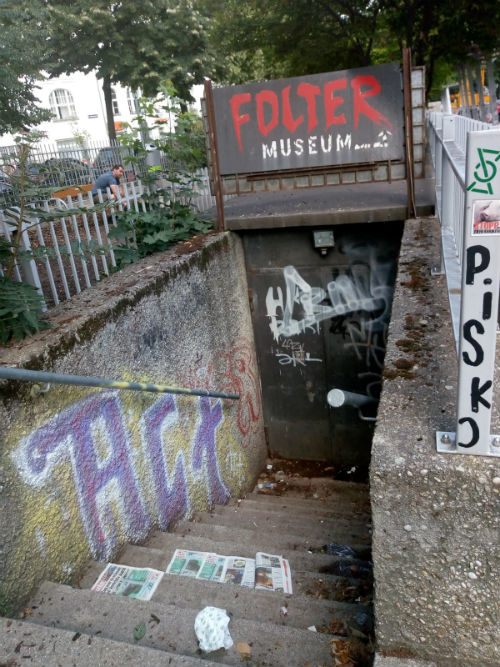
(408, 111)
(221, 226)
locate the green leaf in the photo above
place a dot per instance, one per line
(20, 310)
(139, 631)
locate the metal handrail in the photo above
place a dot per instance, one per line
(25, 375)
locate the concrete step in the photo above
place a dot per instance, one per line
(318, 586)
(330, 592)
(318, 529)
(27, 643)
(297, 610)
(286, 541)
(170, 628)
(300, 558)
(311, 487)
(333, 587)
(300, 507)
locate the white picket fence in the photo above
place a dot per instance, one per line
(74, 251)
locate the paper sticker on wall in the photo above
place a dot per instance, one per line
(486, 217)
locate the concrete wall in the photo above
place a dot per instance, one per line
(83, 471)
(436, 542)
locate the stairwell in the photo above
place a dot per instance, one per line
(326, 622)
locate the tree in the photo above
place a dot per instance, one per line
(137, 44)
(445, 34)
(262, 39)
(21, 49)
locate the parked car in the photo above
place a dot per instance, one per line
(10, 187)
(35, 172)
(4, 183)
(66, 172)
(7, 197)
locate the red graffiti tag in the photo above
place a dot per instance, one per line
(234, 373)
(268, 108)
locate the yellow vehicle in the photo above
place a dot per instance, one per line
(470, 99)
(457, 103)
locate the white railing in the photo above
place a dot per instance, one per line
(73, 252)
(466, 155)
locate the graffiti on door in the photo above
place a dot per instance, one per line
(356, 304)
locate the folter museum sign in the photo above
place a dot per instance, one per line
(338, 118)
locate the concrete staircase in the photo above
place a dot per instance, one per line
(298, 519)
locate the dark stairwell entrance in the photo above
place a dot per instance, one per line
(320, 318)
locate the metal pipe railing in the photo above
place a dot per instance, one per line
(25, 375)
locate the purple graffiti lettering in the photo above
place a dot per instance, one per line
(204, 449)
(92, 433)
(171, 491)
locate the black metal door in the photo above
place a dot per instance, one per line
(320, 323)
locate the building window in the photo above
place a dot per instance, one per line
(62, 105)
(114, 102)
(131, 101)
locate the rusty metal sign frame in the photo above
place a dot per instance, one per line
(245, 181)
(209, 101)
(408, 123)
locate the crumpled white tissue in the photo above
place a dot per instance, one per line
(211, 629)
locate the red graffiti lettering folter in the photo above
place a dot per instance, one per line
(323, 119)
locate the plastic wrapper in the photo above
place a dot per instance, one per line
(211, 628)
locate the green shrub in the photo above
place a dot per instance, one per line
(170, 218)
(20, 309)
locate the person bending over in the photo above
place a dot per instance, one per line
(111, 180)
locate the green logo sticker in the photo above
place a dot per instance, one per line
(485, 171)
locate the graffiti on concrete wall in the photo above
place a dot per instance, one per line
(92, 436)
(130, 472)
(236, 375)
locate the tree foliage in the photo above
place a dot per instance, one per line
(136, 44)
(21, 49)
(445, 34)
(292, 37)
(260, 39)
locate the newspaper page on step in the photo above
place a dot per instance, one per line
(131, 582)
(272, 573)
(212, 568)
(238, 570)
(265, 572)
(186, 563)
